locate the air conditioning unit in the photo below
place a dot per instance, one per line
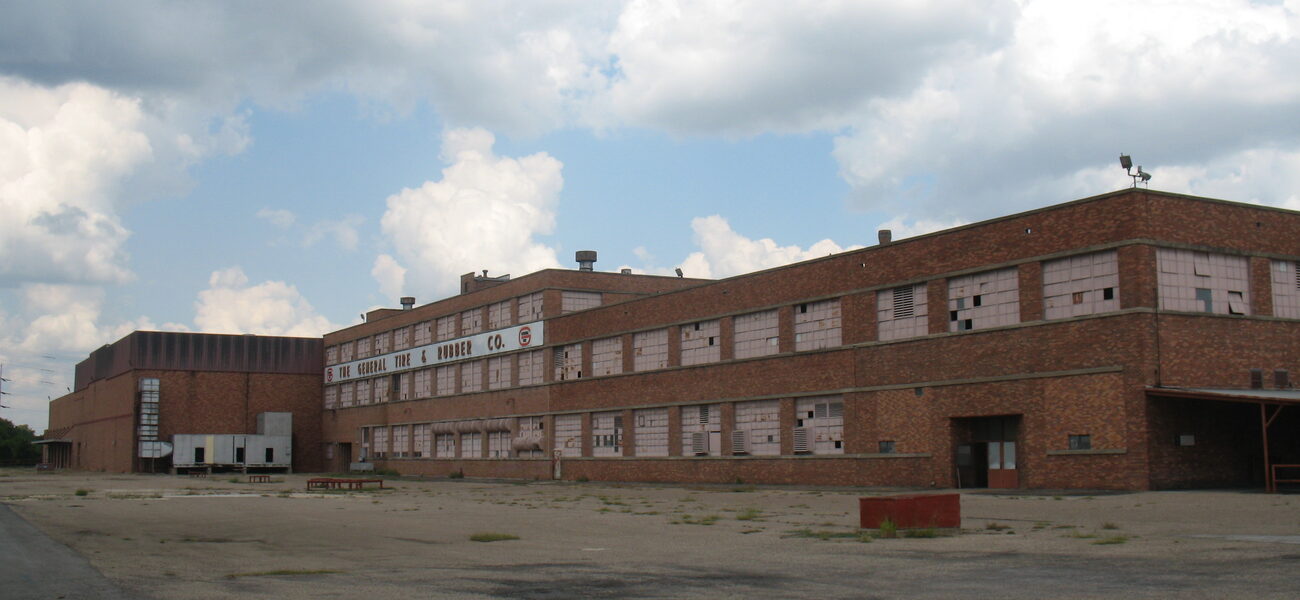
(700, 443)
(801, 440)
(739, 442)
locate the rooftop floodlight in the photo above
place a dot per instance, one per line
(679, 271)
(1127, 163)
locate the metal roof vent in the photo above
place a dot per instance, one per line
(885, 236)
(586, 260)
(408, 302)
(625, 271)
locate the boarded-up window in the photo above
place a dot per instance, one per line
(345, 394)
(607, 434)
(651, 432)
(1203, 282)
(532, 367)
(498, 444)
(423, 383)
(758, 428)
(402, 338)
(576, 301)
(568, 435)
(446, 328)
(819, 425)
(701, 342)
(379, 442)
(471, 321)
(363, 347)
(529, 308)
(902, 312)
(702, 430)
(1081, 285)
(650, 350)
(445, 445)
(421, 441)
(499, 314)
(757, 334)
(382, 342)
(529, 438)
(401, 441)
(363, 392)
(421, 333)
(471, 376)
(499, 372)
(982, 300)
(607, 356)
(332, 355)
(817, 325)
(446, 376)
(331, 397)
(568, 362)
(381, 387)
(471, 445)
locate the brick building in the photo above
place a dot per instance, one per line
(1131, 340)
(131, 397)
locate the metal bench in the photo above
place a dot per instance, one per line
(259, 479)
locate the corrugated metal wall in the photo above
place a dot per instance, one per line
(202, 352)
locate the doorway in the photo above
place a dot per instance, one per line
(986, 452)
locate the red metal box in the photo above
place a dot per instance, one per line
(912, 511)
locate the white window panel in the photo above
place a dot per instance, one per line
(471, 321)
(529, 437)
(817, 325)
(757, 334)
(499, 315)
(331, 397)
(529, 308)
(607, 356)
(499, 372)
(381, 343)
(568, 435)
(1203, 282)
(345, 394)
(421, 333)
(759, 424)
(1286, 289)
(382, 386)
(404, 386)
(650, 350)
(576, 301)
(651, 431)
(363, 347)
(346, 352)
(701, 342)
(332, 355)
(607, 433)
(822, 417)
(445, 445)
(702, 430)
(446, 380)
(445, 328)
(379, 442)
(471, 445)
(363, 392)
(1081, 285)
(902, 312)
(471, 376)
(498, 444)
(401, 447)
(421, 441)
(423, 382)
(568, 362)
(532, 367)
(982, 300)
(402, 338)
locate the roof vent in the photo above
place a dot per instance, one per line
(408, 302)
(625, 271)
(886, 236)
(586, 260)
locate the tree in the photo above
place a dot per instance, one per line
(16, 447)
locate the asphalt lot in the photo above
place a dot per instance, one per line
(177, 537)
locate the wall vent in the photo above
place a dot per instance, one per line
(1256, 379)
(903, 302)
(700, 443)
(704, 415)
(738, 441)
(1281, 379)
(801, 445)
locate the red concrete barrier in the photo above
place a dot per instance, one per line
(912, 511)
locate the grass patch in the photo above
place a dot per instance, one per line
(691, 520)
(995, 526)
(456, 475)
(492, 537)
(824, 535)
(283, 572)
(1080, 535)
(82, 492)
(1114, 539)
(748, 514)
(1109, 525)
(888, 529)
(925, 533)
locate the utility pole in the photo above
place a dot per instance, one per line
(2, 385)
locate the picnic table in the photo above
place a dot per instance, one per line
(259, 478)
(335, 483)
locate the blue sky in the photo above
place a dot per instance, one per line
(277, 170)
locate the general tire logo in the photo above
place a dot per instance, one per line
(329, 374)
(525, 336)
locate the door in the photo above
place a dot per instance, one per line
(986, 452)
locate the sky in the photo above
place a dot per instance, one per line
(281, 168)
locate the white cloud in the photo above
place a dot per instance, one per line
(343, 231)
(483, 214)
(901, 228)
(390, 275)
(724, 253)
(279, 217)
(230, 305)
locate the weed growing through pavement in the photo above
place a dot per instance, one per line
(888, 529)
(1114, 539)
(1109, 525)
(82, 492)
(824, 535)
(995, 526)
(748, 514)
(492, 537)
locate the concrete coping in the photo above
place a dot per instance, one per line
(1092, 452)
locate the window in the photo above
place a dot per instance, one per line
(499, 315)
(444, 445)
(499, 372)
(902, 312)
(199, 454)
(331, 397)
(471, 321)
(990, 299)
(817, 325)
(607, 434)
(404, 386)
(332, 355)
(379, 442)
(345, 394)
(498, 444)
(423, 385)
(381, 388)
(607, 356)
(446, 328)
(401, 440)
(529, 308)
(757, 334)
(471, 376)
(471, 445)
(701, 342)
(1080, 442)
(421, 334)
(345, 352)
(758, 428)
(421, 446)
(1286, 289)
(568, 435)
(401, 338)
(446, 376)
(270, 456)
(381, 342)
(576, 301)
(650, 350)
(531, 367)
(702, 430)
(528, 439)
(885, 447)
(568, 362)
(1081, 285)
(651, 431)
(1203, 282)
(363, 347)
(363, 392)
(819, 425)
